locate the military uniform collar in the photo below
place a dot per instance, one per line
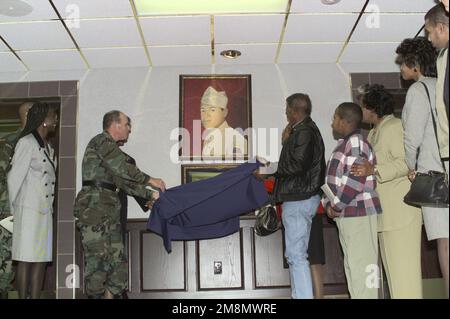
(17, 132)
(11, 138)
(224, 125)
(108, 136)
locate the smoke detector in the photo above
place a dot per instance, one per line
(330, 1)
(15, 8)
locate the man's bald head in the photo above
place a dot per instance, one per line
(23, 111)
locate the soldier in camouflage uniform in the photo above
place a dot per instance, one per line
(123, 197)
(7, 144)
(105, 170)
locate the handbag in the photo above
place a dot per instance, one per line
(429, 189)
(267, 221)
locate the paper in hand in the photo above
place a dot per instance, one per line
(328, 193)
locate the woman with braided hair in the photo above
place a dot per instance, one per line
(31, 183)
(417, 60)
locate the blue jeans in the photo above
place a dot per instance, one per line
(297, 218)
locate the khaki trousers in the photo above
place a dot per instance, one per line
(358, 237)
(400, 250)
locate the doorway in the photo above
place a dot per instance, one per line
(62, 276)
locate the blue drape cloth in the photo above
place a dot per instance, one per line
(209, 208)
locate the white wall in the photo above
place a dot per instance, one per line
(151, 98)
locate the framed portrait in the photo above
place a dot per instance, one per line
(197, 172)
(215, 116)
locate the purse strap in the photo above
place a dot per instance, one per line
(434, 123)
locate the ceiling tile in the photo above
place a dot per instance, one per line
(177, 30)
(316, 6)
(403, 5)
(181, 55)
(421, 32)
(310, 53)
(369, 53)
(117, 57)
(9, 63)
(311, 28)
(53, 60)
(387, 28)
(94, 9)
(26, 10)
(107, 33)
(36, 35)
(248, 29)
(251, 53)
(3, 47)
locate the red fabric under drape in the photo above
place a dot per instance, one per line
(269, 184)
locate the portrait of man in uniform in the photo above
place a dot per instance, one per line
(215, 112)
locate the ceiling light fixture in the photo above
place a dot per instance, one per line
(177, 7)
(330, 1)
(230, 54)
(15, 8)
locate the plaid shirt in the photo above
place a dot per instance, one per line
(354, 195)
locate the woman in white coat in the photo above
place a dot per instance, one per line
(31, 184)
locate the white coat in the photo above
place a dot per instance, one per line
(31, 187)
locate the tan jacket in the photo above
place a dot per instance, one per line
(392, 177)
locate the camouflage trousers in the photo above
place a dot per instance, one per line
(105, 263)
(6, 269)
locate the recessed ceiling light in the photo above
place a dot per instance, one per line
(15, 8)
(230, 54)
(330, 1)
(175, 7)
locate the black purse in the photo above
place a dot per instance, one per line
(267, 221)
(429, 189)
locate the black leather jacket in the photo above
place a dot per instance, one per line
(301, 168)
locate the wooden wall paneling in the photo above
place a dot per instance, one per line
(134, 257)
(334, 258)
(227, 250)
(335, 282)
(162, 271)
(268, 261)
(248, 252)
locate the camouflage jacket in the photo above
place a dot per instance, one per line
(7, 144)
(104, 161)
